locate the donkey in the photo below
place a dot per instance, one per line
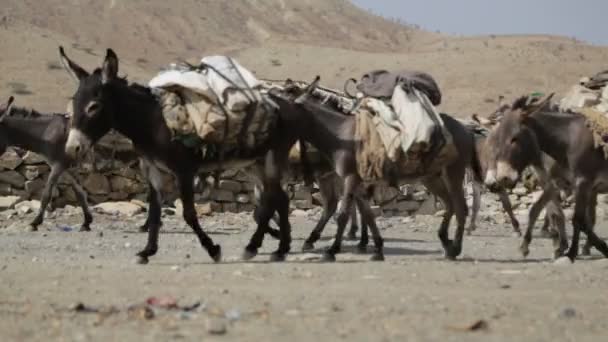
(46, 135)
(333, 133)
(103, 101)
(527, 130)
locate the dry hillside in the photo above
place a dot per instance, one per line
(277, 39)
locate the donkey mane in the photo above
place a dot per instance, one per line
(28, 113)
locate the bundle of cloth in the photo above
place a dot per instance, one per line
(398, 126)
(218, 102)
(590, 98)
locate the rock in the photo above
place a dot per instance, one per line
(230, 207)
(403, 206)
(26, 207)
(118, 196)
(34, 186)
(243, 198)
(32, 158)
(126, 185)
(142, 204)
(420, 196)
(230, 185)
(383, 194)
(69, 194)
(8, 202)
(204, 209)
(520, 191)
(427, 207)
(303, 204)
(10, 160)
(216, 326)
(299, 213)
(12, 178)
(567, 313)
(221, 195)
(97, 184)
(246, 208)
(119, 208)
(179, 208)
(563, 261)
(302, 194)
(317, 198)
(5, 189)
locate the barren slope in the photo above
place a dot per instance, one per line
(277, 39)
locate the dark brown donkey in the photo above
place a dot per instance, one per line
(527, 130)
(104, 101)
(46, 135)
(333, 133)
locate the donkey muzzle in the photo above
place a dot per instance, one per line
(506, 175)
(77, 144)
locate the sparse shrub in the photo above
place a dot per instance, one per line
(19, 88)
(53, 66)
(276, 62)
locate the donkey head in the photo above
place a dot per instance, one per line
(513, 144)
(5, 110)
(91, 104)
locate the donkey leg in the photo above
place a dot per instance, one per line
(330, 204)
(281, 203)
(555, 215)
(56, 171)
(454, 181)
(365, 223)
(368, 219)
(583, 198)
(437, 187)
(81, 197)
(350, 186)
(187, 195)
(475, 207)
(537, 207)
(591, 218)
(506, 204)
(153, 221)
(354, 225)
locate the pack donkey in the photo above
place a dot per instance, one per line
(333, 133)
(45, 134)
(525, 132)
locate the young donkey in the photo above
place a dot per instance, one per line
(334, 134)
(45, 135)
(525, 131)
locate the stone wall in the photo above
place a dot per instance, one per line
(111, 173)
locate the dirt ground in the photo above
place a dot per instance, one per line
(60, 284)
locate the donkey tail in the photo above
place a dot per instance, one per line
(307, 172)
(476, 162)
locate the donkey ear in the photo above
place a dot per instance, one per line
(72, 68)
(539, 106)
(311, 87)
(6, 109)
(109, 70)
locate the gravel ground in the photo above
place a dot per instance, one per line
(60, 284)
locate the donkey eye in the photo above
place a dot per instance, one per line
(514, 140)
(93, 107)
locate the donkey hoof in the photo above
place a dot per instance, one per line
(215, 252)
(84, 229)
(142, 260)
(277, 257)
(525, 251)
(308, 246)
(377, 257)
(361, 249)
(249, 254)
(32, 228)
(143, 229)
(565, 260)
(328, 257)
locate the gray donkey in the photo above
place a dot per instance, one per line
(45, 135)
